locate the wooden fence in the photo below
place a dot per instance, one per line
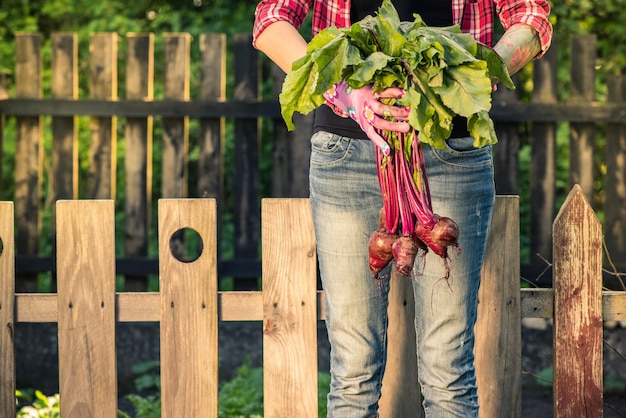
(202, 97)
(189, 306)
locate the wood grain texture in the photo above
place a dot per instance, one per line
(86, 308)
(577, 309)
(498, 328)
(7, 320)
(189, 357)
(401, 392)
(289, 309)
(103, 75)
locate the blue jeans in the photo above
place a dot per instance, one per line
(346, 199)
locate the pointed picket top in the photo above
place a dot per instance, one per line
(577, 249)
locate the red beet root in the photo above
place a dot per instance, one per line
(380, 253)
(424, 234)
(445, 232)
(404, 251)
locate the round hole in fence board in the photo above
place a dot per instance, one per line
(1, 246)
(186, 245)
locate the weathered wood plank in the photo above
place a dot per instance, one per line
(401, 396)
(247, 150)
(64, 180)
(498, 327)
(176, 130)
(615, 180)
(506, 152)
(201, 108)
(543, 160)
(138, 152)
(537, 303)
(577, 309)
(500, 112)
(248, 306)
(29, 152)
(289, 309)
(175, 143)
(7, 320)
(292, 150)
(189, 358)
(212, 130)
(101, 182)
(86, 308)
(582, 135)
(146, 306)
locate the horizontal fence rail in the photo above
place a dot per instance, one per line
(189, 307)
(125, 112)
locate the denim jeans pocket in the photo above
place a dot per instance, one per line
(328, 149)
(461, 152)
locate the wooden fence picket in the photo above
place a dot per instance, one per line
(29, 152)
(577, 309)
(189, 359)
(86, 308)
(7, 302)
(498, 327)
(289, 309)
(103, 146)
(138, 152)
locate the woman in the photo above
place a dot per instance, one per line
(346, 200)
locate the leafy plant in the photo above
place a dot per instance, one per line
(243, 395)
(444, 72)
(42, 406)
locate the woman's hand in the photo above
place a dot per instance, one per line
(364, 107)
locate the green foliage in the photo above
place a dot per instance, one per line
(242, 396)
(443, 71)
(42, 406)
(603, 18)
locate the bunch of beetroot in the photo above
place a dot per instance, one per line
(443, 72)
(407, 224)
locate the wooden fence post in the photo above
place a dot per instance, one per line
(543, 160)
(29, 153)
(212, 130)
(292, 150)
(247, 149)
(582, 90)
(506, 152)
(138, 153)
(401, 397)
(577, 309)
(498, 327)
(86, 308)
(176, 129)
(189, 319)
(289, 309)
(101, 183)
(615, 181)
(7, 320)
(64, 180)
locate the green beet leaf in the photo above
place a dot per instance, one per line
(466, 88)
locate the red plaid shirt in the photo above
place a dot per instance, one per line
(473, 16)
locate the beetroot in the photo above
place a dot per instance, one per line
(380, 253)
(407, 208)
(425, 235)
(404, 252)
(445, 232)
